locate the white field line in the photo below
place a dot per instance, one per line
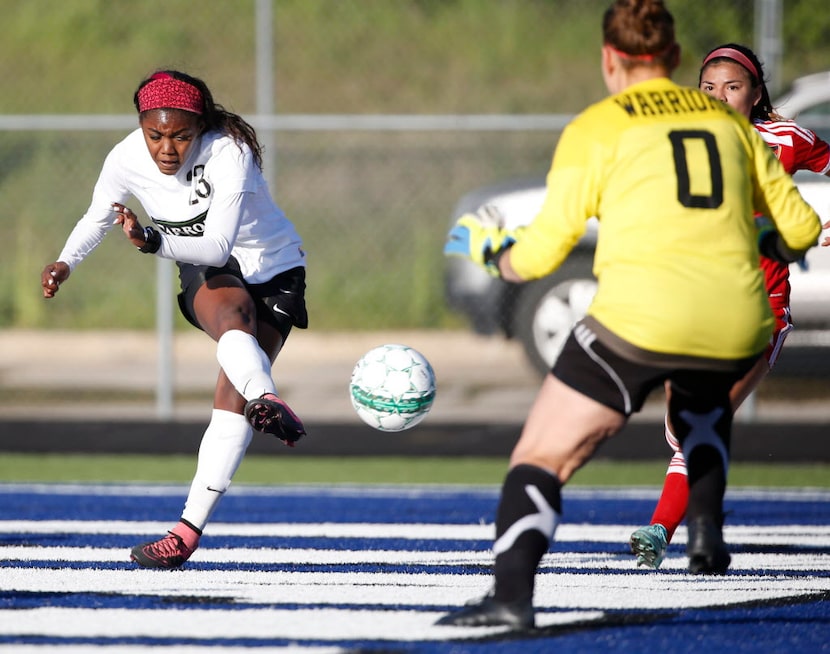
(378, 603)
(304, 624)
(292, 529)
(397, 490)
(303, 556)
(572, 596)
(799, 535)
(753, 576)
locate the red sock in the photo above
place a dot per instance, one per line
(671, 507)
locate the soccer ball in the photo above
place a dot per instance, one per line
(392, 387)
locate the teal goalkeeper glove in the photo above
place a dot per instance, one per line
(481, 237)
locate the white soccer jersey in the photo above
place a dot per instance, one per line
(216, 205)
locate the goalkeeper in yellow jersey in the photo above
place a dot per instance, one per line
(674, 177)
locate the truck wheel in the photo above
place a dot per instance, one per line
(544, 314)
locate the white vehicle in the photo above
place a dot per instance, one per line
(540, 313)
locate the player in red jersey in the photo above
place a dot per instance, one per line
(733, 74)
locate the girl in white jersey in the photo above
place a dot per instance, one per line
(195, 168)
(733, 74)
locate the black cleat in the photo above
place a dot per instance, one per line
(270, 415)
(708, 554)
(489, 612)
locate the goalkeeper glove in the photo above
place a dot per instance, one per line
(481, 237)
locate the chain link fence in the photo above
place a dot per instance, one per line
(371, 200)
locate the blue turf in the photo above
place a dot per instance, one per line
(795, 625)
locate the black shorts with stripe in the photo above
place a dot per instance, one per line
(623, 381)
(279, 302)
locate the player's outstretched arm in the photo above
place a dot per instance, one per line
(480, 237)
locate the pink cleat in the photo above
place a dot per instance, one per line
(270, 415)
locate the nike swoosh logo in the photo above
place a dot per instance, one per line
(278, 310)
(216, 490)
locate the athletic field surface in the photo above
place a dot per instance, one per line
(352, 568)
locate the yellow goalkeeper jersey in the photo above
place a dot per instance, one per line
(675, 178)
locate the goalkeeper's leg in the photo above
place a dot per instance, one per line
(701, 413)
(562, 432)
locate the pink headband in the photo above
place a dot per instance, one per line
(734, 55)
(164, 91)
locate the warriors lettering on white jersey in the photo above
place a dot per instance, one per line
(215, 206)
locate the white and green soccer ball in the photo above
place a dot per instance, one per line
(392, 387)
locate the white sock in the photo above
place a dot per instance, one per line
(223, 446)
(677, 465)
(245, 364)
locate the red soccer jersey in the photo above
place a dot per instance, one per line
(798, 148)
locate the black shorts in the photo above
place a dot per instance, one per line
(279, 302)
(620, 383)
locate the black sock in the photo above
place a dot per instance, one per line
(533, 495)
(707, 483)
(704, 429)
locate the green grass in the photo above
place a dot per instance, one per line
(464, 56)
(289, 469)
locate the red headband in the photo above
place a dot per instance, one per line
(641, 57)
(164, 91)
(736, 56)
